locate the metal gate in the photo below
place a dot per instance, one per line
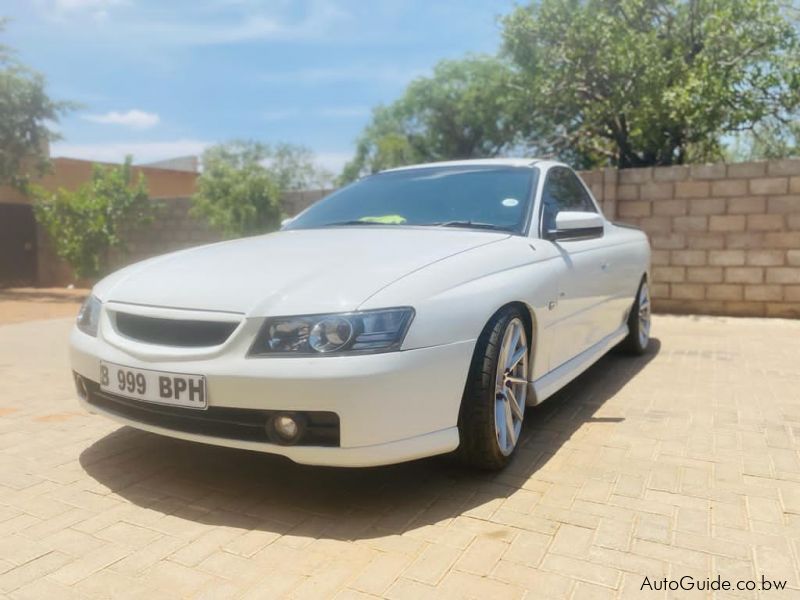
(17, 245)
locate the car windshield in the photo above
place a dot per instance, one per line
(471, 197)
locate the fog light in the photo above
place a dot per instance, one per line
(285, 428)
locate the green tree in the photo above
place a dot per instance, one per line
(467, 108)
(243, 182)
(84, 224)
(770, 139)
(25, 112)
(652, 82)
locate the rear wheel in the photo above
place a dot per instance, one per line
(639, 322)
(493, 406)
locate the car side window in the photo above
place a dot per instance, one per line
(563, 191)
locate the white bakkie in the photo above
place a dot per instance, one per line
(412, 313)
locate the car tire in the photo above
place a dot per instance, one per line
(489, 424)
(638, 338)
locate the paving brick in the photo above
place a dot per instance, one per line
(581, 570)
(481, 557)
(546, 584)
(432, 564)
(682, 462)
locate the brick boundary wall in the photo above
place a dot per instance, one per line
(725, 237)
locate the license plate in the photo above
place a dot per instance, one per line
(176, 389)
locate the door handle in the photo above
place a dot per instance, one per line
(604, 266)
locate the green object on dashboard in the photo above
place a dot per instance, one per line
(389, 219)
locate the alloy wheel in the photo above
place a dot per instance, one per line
(644, 315)
(511, 386)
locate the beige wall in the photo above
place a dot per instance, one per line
(725, 238)
(71, 173)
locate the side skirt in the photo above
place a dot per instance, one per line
(549, 384)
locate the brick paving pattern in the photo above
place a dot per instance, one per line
(683, 462)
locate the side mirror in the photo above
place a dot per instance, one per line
(576, 225)
(286, 221)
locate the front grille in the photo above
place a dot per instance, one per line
(173, 332)
(322, 428)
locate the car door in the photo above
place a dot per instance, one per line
(583, 286)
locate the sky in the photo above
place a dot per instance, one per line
(160, 79)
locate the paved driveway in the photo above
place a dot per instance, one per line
(681, 463)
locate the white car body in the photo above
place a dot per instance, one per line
(392, 406)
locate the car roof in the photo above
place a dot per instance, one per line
(490, 162)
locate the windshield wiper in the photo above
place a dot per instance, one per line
(469, 225)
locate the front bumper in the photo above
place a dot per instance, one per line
(392, 407)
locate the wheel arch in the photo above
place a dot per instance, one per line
(531, 329)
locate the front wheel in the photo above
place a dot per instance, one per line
(493, 406)
(639, 322)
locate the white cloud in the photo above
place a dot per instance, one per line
(322, 20)
(75, 5)
(207, 24)
(96, 9)
(134, 118)
(142, 152)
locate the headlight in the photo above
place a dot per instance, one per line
(346, 333)
(89, 316)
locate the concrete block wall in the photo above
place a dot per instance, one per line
(725, 237)
(173, 228)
